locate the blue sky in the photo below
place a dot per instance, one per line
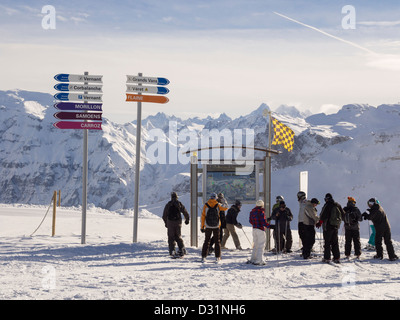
(220, 56)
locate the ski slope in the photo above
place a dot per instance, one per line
(110, 266)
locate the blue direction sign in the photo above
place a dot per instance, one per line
(74, 106)
(78, 87)
(63, 96)
(66, 77)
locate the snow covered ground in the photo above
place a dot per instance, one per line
(110, 266)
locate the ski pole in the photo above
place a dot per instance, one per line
(247, 237)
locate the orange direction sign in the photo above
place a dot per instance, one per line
(144, 98)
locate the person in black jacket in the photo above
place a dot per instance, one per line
(352, 216)
(330, 218)
(378, 217)
(283, 234)
(173, 222)
(231, 223)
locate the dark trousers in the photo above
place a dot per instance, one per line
(283, 238)
(174, 235)
(307, 236)
(212, 240)
(352, 236)
(331, 243)
(384, 233)
(206, 245)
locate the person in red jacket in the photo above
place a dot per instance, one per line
(259, 222)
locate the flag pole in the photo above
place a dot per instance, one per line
(267, 183)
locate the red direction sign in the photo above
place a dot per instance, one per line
(78, 116)
(77, 125)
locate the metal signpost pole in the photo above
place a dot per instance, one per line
(84, 178)
(137, 168)
(193, 200)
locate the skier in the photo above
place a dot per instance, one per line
(222, 229)
(283, 234)
(259, 223)
(271, 226)
(352, 216)
(173, 222)
(378, 217)
(210, 224)
(309, 219)
(231, 223)
(301, 198)
(331, 218)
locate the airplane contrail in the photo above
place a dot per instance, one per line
(327, 34)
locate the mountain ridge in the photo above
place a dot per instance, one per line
(357, 147)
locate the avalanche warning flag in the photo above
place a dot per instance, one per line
(283, 135)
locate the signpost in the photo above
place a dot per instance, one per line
(65, 77)
(91, 120)
(78, 116)
(63, 96)
(146, 89)
(142, 98)
(78, 125)
(147, 80)
(77, 87)
(74, 106)
(139, 98)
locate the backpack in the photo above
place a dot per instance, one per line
(212, 216)
(336, 216)
(174, 213)
(350, 217)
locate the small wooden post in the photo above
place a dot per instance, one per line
(59, 198)
(53, 229)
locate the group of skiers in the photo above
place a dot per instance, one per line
(218, 227)
(330, 218)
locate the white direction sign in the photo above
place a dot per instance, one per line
(78, 87)
(147, 80)
(66, 77)
(146, 89)
(63, 96)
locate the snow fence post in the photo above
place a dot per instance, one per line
(53, 227)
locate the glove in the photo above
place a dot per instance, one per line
(269, 219)
(239, 225)
(319, 223)
(203, 230)
(365, 216)
(187, 221)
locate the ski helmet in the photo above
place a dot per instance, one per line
(301, 195)
(372, 201)
(238, 203)
(279, 198)
(314, 201)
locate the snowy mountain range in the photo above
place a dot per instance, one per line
(354, 152)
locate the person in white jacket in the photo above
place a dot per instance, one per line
(309, 219)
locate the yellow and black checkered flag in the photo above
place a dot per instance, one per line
(283, 135)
